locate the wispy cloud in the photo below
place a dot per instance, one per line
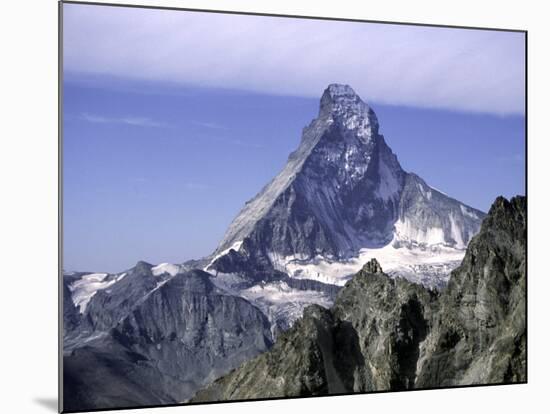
(209, 125)
(129, 120)
(222, 138)
(192, 185)
(234, 141)
(466, 70)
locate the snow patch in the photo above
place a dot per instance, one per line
(171, 269)
(235, 246)
(389, 184)
(467, 212)
(426, 193)
(282, 304)
(456, 234)
(406, 230)
(84, 289)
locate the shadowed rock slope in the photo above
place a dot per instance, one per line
(181, 336)
(386, 334)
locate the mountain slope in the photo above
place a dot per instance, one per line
(479, 335)
(177, 338)
(390, 334)
(341, 191)
(101, 300)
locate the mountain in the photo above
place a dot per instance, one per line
(341, 196)
(100, 300)
(179, 336)
(387, 333)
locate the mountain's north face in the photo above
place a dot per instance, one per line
(341, 191)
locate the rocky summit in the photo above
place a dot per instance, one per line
(391, 334)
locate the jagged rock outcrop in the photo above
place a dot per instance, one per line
(180, 336)
(390, 334)
(479, 335)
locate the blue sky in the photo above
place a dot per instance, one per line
(160, 154)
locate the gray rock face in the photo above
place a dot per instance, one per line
(479, 335)
(342, 190)
(71, 317)
(422, 208)
(177, 338)
(390, 334)
(107, 306)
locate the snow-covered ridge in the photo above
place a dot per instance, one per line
(169, 268)
(235, 246)
(84, 289)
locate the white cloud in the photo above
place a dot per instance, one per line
(467, 70)
(209, 125)
(134, 121)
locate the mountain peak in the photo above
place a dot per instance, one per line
(337, 90)
(339, 96)
(341, 104)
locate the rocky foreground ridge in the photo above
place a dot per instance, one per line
(391, 334)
